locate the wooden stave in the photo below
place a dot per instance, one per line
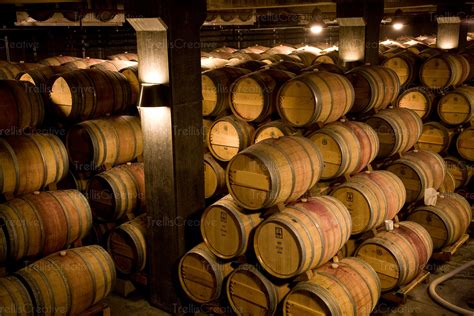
(368, 139)
(429, 96)
(449, 184)
(436, 163)
(131, 73)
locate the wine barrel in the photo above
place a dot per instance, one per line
(441, 71)
(89, 93)
(460, 170)
(295, 67)
(70, 281)
(225, 49)
(340, 149)
(40, 224)
(214, 177)
(368, 141)
(349, 287)
(127, 245)
(228, 136)
(105, 10)
(111, 141)
(457, 107)
(114, 65)
(117, 191)
(405, 65)
(419, 99)
(328, 58)
(397, 256)
(226, 228)
(131, 73)
(273, 171)
(14, 298)
(464, 144)
(436, 163)
(84, 63)
(435, 137)
(22, 106)
(29, 163)
(393, 189)
(216, 87)
(206, 125)
(251, 293)
(307, 58)
(253, 97)
(274, 129)
(314, 97)
(75, 180)
(398, 130)
(303, 236)
(213, 63)
(11, 70)
(124, 56)
(319, 66)
(447, 221)
(280, 49)
(449, 183)
(57, 60)
(252, 65)
(202, 274)
(98, 234)
(366, 201)
(255, 49)
(375, 87)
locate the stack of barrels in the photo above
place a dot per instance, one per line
(293, 142)
(68, 120)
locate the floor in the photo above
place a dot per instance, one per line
(458, 290)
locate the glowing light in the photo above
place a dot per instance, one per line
(397, 26)
(316, 29)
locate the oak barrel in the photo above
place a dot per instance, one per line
(457, 107)
(303, 236)
(419, 99)
(226, 228)
(449, 183)
(14, 298)
(273, 171)
(314, 97)
(57, 60)
(117, 191)
(11, 70)
(435, 137)
(406, 65)
(202, 274)
(441, 71)
(461, 171)
(274, 129)
(397, 256)
(110, 141)
(228, 136)
(131, 73)
(114, 65)
(251, 293)
(216, 88)
(253, 97)
(436, 163)
(348, 287)
(124, 56)
(328, 58)
(465, 144)
(214, 177)
(368, 141)
(446, 221)
(42, 223)
(127, 245)
(29, 163)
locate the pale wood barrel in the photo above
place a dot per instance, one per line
(75, 180)
(436, 163)
(256, 49)
(214, 177)
(124, 56)
(29, 163)
(206, 124)
(11, 70)
(419, 99)
(376, 87)
(349, 287)
(366, 201)
(340, 149)
(117, 192)
(89, 93)
(40, 224)
(447, 221)
(202, 274)
(314, 97)
(274, 129)
(58, 60)
(465, 144)
(328, 58)
(397, 256)
(22, 106)
(70, 281)
(449, 183)
(280, 49)
(131, 73)
(398, 130)
(253, 97)
(216, 88)
(105, 142)
(84, 63)
(251, 293)
(406, 65)
(441, 71)
(290, 242)
(226, 228)
(273, 171)
(127, 245)
(114, 65)
(368, 141)
(252, 65)
(14, 298)
(228, 136)
(307, 58)
(295, 67)
(435, 137)
(457, 107)
(319, 66)
(461, 171)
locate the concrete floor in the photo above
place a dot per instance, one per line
(458, 290)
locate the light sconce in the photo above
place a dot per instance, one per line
(153, 95)
(397, 21)
(317, 24)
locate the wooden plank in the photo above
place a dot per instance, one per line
(400, 296)
(447, 252)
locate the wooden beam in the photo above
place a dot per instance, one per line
(373, 13)
(173, 153)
